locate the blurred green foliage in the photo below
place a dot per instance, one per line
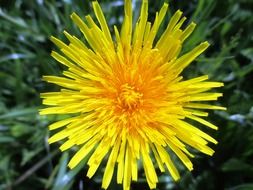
(27, 161)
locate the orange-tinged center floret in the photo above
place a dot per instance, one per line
(129, 99)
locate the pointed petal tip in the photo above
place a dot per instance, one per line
(176, 178)
(53, 39)
(65, 32)
(73, 14)
(45, 77)
(211, 153)
(216, 128)
(70, 165)
(50, 141)
(52, 53)
(166, 5)
(41, 112)
(193, 23)
(205, 44)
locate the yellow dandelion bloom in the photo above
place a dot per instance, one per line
(126, 97)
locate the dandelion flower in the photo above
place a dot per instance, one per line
(126, 99)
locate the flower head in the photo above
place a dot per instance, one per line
(126, 98)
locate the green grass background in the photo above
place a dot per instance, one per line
(27, 162)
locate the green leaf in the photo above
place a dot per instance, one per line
(15, 20)
(6, 139)
(248, 53)
(65, 178)
(243, 187)
(236, 165)
(28, 155)
(19, 112)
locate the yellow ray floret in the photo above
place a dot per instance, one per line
(126, 99)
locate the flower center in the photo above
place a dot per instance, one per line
(129, 98)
